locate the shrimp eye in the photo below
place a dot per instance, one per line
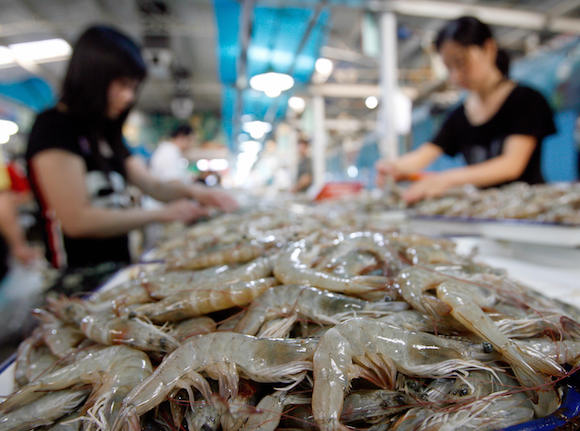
(462, 391)
(487, 347)
(400, 399)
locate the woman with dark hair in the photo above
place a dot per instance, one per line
(78, 163)
(499, 127)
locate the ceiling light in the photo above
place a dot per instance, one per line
(202, 164)
(218, 164)
(323, 66)
(41, 50)
(371, 102)
(296, 103)
(4, 139)
(8, 127)
(272, 83)
(6, 56)
(250, 148)
(257, 129)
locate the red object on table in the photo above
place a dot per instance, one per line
(335, 190)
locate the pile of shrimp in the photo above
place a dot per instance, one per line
(297, 317)
(552, 203)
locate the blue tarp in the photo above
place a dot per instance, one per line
(33, 92)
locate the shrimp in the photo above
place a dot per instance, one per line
(495, 411)
(105, 328)
(269, 410)
(563, 352)
(113, 370)
(221, 355)
(204, 415)
(43, 411)
(61, 339)
(525, 362)
(32, 358)
(374, 405)
(202, 301)
(289, 268)
(194, 326)
(237, 253)
(379, 349)
(315, 304)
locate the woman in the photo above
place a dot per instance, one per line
(499, 128)
(78, 163)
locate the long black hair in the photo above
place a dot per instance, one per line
(468, 30)
(100, 55)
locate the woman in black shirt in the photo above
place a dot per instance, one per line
(498, 129)
(78, 163)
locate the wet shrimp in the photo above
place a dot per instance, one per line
(375, 350)
(221, 355)
(290, 268)
(527, 363)
(43, 411)
(197, 302)
(317, 305)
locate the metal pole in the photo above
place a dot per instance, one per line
(388, 145)
(319, 144)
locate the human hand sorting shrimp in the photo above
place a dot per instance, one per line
(214, 197)
(434, 185)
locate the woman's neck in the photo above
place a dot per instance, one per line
(488, 87)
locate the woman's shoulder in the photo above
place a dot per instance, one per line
(522, 92)
(53, 117)
(53, 128)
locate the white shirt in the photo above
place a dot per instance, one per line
(168, 163)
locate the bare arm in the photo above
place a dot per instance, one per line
(409, 163)
(167, 191)
(508, 166)
(11, 230)
(61, 178)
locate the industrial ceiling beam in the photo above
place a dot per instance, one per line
(493, 15)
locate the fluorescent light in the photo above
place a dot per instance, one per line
(203, 164)
(352, 171)
(272, 83)
(4, 139)
(8, 127)
(218, 164)
(250, 148)
(257, 129)
(6, 56)
(324, 66)
(371, 102)
(41, 50)
(296, 103)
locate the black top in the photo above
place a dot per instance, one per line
(524, 112)
(105, 183)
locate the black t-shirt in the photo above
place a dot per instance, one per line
(524, 112)
(105, 184)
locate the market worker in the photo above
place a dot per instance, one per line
(12, 240)
(78, 163)
(168, 161)
(499, 127)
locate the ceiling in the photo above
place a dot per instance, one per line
(189, 31)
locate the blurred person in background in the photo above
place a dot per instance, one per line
(168, 161)
(499, 127)
(12, 239)
(304, 175)
(78, 163)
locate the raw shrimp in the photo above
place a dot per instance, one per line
(114, 371)
(60, 338)
(525, 362)
(373, 405)
(269, 410)
(43, 411)
(315, 304)
(202, 301)
(379, 350)
(221, 355)
(32, 358)
(191, 327)
(236, 253)
(290, 269)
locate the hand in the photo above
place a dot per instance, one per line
(183, 210)
(432, 186)
(387, 169)
(25, 254)
(214, 197)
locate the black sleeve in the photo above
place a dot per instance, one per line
(122, 150)
(52, 130)
(530, 114)
(447, 136)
